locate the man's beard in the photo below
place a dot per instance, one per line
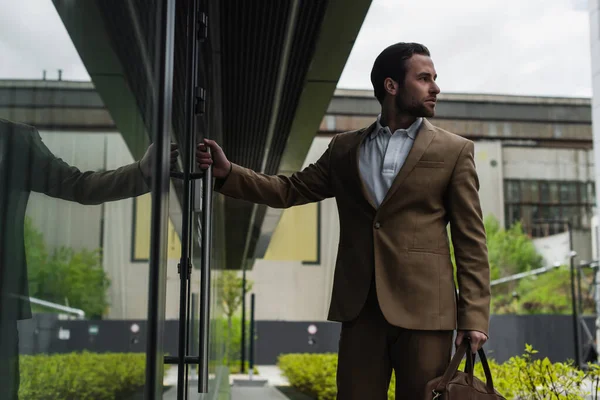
(413, 109)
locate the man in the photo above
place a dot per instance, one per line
(27, 165)
(397, 183)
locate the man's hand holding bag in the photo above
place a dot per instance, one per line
(459, 385)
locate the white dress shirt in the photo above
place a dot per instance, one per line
(382, 154)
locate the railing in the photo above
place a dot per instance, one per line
(55, 306)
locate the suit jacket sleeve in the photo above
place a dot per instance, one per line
(469, 240)
(278, 191)
(52, 176)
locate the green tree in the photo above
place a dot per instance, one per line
(67, 277)
(550, 293)
(229, 289)
(510, 251)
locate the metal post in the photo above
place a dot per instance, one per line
(574, 305)
(579, 290)
(207, 193)
(188, 157)
(597, 278)
(251, 352)
(193, 326)
(160, 128)
(574, 308)
(243, 341)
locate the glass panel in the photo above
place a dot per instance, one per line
(583, 192)
(544, 213)
(554, 193)
(554, 213)
(526, 195)
(572, 215)
(527, 216)
(585, 216)
(568, 192)
(544, 192)
(513, 214)
(512, 191)
(534, 190)
(75, 216)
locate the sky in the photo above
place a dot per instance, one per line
(525, 47)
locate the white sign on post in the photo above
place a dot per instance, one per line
(64, 334)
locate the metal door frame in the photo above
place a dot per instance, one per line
(196, 124)
(160, 129)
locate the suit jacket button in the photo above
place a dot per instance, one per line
(377, 225)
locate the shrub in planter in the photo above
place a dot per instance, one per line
(311, 374)
(81, 376)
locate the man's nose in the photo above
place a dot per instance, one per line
(434, 88)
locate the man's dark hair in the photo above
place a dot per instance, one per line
(391, 63)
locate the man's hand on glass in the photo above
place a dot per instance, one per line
(148, 159)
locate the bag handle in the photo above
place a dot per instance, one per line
(453, 367)
(469, 368)
(455, 362)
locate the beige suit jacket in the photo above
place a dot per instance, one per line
(404, 242)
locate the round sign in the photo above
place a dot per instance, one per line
(135, 328)
(312, 329)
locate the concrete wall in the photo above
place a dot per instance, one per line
(594, 8)
(556, 248)
(548, 164)
(489, 161)
(291, 290)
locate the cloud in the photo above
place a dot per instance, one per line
(33, 39)
(531, 47)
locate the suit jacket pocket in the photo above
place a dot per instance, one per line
(430, 164)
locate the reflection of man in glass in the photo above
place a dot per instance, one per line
(27, 165)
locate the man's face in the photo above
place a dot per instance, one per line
(417, 97)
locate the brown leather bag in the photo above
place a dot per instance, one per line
(459, 385)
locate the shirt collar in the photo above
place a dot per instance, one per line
(411, 131)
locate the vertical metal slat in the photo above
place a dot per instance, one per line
(207, 193)
(161, 119)
(189, 144)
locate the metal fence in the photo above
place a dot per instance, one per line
(551, 335)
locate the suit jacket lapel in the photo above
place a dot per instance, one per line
(354, 163)
(422, 142)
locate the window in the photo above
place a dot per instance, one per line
(512, 191)
(531, 202)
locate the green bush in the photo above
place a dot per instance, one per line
(311, 374)
(107, 376)
(65, 276)
(523, 377)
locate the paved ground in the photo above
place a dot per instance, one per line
(269, 372)
(171, 394)
(240, 391)
(256, 393)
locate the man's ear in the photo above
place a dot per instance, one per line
(390, 86)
